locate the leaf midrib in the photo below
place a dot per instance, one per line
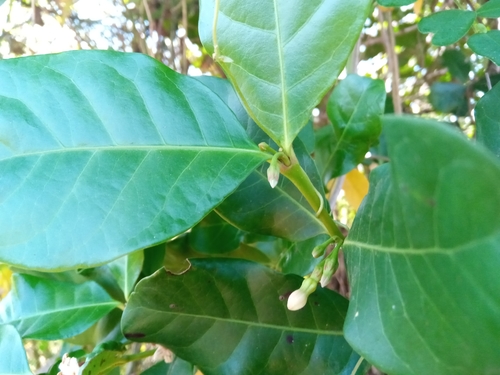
(281, 62)
(248, 323)
(53, 311)
(181, 148)
(426, 250)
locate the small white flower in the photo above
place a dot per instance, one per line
(163, 354)
(68, 366)
(297, 300)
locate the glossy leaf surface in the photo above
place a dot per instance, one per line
(246, 304)
(104, 153)
(354, 109)
(448, 26)
(422, 256)
(487, 44)
(13, 357)
(487, 114)
(294, 51)
(254, 206)
(45, 309)
(491, 9)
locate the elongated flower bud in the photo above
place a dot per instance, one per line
(273, 174)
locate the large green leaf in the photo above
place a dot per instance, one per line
(487, 113)
(13, 357)
(491, 9)
(49, 310)
(230, 317)
(104, 153)
(448, 26)
(487, 44)
(354, 109)
(286, 54)
(423, 256)
(254, 206)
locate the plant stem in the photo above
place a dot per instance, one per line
(300, 179)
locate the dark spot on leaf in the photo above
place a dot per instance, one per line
(172, 306)
(134, 335)
(102, 361)
(431, 202)
(316, 303)
(289, 339)
(285, 296)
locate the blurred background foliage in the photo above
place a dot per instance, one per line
(420, 78)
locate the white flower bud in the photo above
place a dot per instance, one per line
(297, 300)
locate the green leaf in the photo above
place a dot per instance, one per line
(214, 235)
(102, 361)
(126, 270)
(449, 97)
(487, 44)
(487, 114)
(354, 109)
(14, 361)
(255, 206)
(230, 317)
(491, 9)
(177, 367)
(297, 256)
(395, 3)
(49, 310)
(448, 26)
(457, 64)
(293, 52)
(422, 256)
(104, 153)
(105, 329)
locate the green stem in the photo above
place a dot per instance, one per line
(300, 179)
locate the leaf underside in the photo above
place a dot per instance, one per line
(423, 257)
(294, 51)
(246, 304)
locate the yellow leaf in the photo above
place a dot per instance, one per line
(417, 7)
(355, 187)
(5, 280)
